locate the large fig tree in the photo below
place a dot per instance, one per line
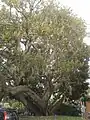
(43, 59)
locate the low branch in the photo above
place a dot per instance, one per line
(36, 99)
(18, 89)
(24, 89)
(57, 104)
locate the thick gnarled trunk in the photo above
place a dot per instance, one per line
(39, 106)
(30, 99)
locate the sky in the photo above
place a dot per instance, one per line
(82, 9)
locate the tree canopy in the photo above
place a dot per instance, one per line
(43, 59)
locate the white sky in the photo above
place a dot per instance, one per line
(82, 9)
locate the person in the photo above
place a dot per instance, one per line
(83, 100)
(83, 110)
(83, 105)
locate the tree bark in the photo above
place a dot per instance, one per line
(29, 98)
(32, 101)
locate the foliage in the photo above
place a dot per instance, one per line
(69, 110)
(43, 59)
(16, 105)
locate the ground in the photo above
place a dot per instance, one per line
(52, 118)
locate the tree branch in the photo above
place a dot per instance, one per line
(57, 104)
(24, 89)
(19, 11)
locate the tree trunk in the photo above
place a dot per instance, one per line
(31, 105)
(33, 102)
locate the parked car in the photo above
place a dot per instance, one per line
(8, 114)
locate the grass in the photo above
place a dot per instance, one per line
(51, 118)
